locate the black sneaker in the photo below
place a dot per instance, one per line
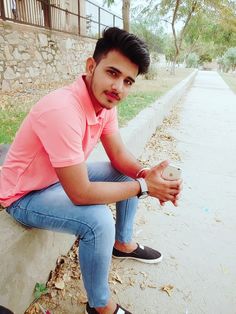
(142, 253)
(4, 310)
(119, 310)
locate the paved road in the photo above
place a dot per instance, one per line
(207, 140)
(199, 240)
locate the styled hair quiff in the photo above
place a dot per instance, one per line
(114, 38)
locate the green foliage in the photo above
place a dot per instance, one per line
(169, 49)
(39, 290)
(228, 61)
(205, 58)
(230, 55)
(10, 123)
(108, 2)
(210, 30)
(204, 37)
(192, 61)
(155, 38)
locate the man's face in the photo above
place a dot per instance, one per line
(109, 81)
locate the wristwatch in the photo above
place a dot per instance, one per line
(143, 188)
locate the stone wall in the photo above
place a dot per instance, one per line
(32, 55)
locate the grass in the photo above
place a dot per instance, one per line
(134, 103)
(14, 106)
(10, 123)
(230, 79)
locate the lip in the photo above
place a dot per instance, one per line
(112, 96)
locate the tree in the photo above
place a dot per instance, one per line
(230, 56)
(192, 60)
(125, 12)
(212, 38)
(154, 37)
(179, 15)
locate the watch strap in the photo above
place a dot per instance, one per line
(143, 187)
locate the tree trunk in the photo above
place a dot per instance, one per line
(126, 15)
(173, 66)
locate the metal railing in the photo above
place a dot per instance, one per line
(81, 17)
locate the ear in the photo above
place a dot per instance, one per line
(90, 66)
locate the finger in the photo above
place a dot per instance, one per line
(161, 166)
(174, 184)
(168, 197)
(174, 192)
(175, 203)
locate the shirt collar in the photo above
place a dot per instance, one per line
(86, 103)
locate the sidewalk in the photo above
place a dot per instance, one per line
(198, 238)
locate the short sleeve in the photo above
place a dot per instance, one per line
(60, 132)
(111, 125)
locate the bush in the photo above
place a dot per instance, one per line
(228, 61)
(192, 60)
(152, 73)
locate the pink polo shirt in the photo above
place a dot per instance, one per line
(61, 130)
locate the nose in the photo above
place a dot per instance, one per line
(118, 85)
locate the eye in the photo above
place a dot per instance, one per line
(128, 82)
(112, 73)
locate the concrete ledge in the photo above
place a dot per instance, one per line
(28, 255)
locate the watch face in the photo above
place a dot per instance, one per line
(143, 195)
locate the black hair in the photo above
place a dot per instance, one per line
(114, 38)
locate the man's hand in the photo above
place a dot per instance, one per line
(164, 190)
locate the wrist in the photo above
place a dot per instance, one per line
(142, 172)
(143, 188)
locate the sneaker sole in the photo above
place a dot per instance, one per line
(151, 261)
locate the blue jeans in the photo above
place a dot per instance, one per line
(51, 209)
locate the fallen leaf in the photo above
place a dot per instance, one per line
(168, 289)
(60, 284)
(169, 214)
(83, 299)
(116, 277)
(143, 285)
(131, 282)
(66, 277)
(144, 274)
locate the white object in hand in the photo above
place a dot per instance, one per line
(171, 172)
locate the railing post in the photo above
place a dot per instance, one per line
(114, 20)
(46, 7)
(2, 10)
(78, 17)
(99, 22)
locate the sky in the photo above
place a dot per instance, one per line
(115, 8)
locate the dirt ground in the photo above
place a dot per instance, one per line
(65, 289)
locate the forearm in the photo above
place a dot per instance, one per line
(127, 164)
(106, 192)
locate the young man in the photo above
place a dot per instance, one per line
(46, 182)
